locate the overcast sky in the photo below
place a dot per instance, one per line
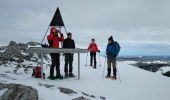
(131, 22)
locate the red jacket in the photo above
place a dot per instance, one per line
(54, 40)
(93, 47)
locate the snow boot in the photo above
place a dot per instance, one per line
(51, 77)
(94, 64)
(71, 75)
(108, 72)
(114, 74)
(59, 77)
(114, 71)
(66, 75)
(113, 77)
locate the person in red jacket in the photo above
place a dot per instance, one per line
(93, 49)
(53, 40)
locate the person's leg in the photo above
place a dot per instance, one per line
(108, 68)
(66, 64)
(52, 65)
(114, 68)
(91, 59)
(94, 55)
(71, 65)
(58, 75)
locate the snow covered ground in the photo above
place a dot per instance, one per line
(135, 84)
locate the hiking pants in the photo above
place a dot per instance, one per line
(55, 57)
(112, 63)
(68, 61)
(93, 57)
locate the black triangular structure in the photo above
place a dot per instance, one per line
(57, 19)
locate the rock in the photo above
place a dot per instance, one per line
(46, 85)
(92, 96)
(18, 92)
(103, 98)
(23, 46)
(66, 90)
(167, 74)
(81, 98)
(33, 43)
(15, 52)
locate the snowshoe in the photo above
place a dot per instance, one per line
(51, 77)
(71, 75)
(113, 77)
(59, 77)
(108, 76)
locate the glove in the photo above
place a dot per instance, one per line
(98, 51)
(61, 34)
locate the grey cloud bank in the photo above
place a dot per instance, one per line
(129, 21)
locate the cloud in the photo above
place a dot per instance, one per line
(129, 21)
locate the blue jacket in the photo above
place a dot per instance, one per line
(112, 50)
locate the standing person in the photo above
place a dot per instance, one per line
(112, 51)
(53, 40)
(93, 49)
(69, 43)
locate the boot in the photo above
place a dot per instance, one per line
(94, 64)
(108, 72)
(114, 74)
(59, 76)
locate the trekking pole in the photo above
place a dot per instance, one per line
(86, 59)
(104, 67)
(119, 75)
(99, 59)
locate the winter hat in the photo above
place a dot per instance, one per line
(69, 33)
(92, 39)
(110, 38)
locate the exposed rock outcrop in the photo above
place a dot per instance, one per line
(18, 92)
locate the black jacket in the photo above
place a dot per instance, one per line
(68, 43)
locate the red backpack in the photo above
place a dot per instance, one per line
(37, 72)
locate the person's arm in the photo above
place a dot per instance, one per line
(50, 43)
(64, 44)
(89, 46)
(61, 38)
(74, 44)
(107, 50)
(97, 48)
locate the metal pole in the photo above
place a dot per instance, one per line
(78, 65)
(119, 74)
(45, 34)
(104, 67)
(65, 29)
(86, 59)
(42, 65)
(99, 59)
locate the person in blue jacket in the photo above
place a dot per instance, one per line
(112, 51)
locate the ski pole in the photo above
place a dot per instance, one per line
(119, 75)
(99, 59)
(86, 59)
(104, 67)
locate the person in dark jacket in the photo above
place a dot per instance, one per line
(111, 58)
(93, 49)
(69, 44)
(53, 40)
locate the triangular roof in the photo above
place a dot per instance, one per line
(57, 19)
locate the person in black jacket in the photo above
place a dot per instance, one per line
(69, 44)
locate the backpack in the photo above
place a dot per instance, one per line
(113, 49)
(37, 72)
(117, 48)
